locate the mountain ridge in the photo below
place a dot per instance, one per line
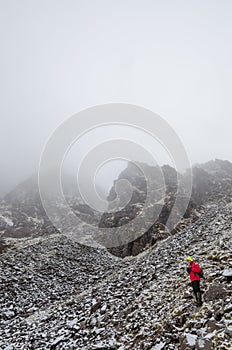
(212, 182)
(22, 213)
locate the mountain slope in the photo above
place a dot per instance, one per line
(22, 213)
(211, 183)
(91, 300)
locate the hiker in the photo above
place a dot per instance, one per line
(195, 274)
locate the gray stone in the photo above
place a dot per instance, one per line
(215, 292)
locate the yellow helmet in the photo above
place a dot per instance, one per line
(189, 258)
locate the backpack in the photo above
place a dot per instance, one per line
(200, 274)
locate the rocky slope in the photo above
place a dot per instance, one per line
(22, 213)
(212, 182)
(56, 294)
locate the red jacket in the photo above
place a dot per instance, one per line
(195, 270)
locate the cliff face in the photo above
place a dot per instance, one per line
(212, 182)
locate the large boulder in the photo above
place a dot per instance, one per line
(215, 292)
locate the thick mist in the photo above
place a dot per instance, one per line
(60, 57)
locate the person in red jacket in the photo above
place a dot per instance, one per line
(194, 272)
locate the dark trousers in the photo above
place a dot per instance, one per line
(196, 287)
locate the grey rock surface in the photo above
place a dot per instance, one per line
(57, 294)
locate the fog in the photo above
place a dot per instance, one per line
(59, 57)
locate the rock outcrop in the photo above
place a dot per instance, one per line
(212, 182)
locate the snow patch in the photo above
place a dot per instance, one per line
(191, 339)
(35, 220)
(159, 346)
(201, 343)
(210, 335)
(7, 220)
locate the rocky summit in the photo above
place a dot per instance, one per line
(57, 294)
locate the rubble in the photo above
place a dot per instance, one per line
(57, 294)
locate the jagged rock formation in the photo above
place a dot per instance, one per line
(56, 294)
(211, 182)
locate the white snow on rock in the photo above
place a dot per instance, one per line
(159, 346)
(35, 220)
(69, 296)
(210, 335)
(58, 340)
(7, 220)
(201, 343)
(227, 273)
(191, 339)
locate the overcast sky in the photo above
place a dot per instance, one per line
(61, 56)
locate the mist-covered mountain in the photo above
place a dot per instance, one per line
(60, 295)
(22, 213)
(211, 183)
